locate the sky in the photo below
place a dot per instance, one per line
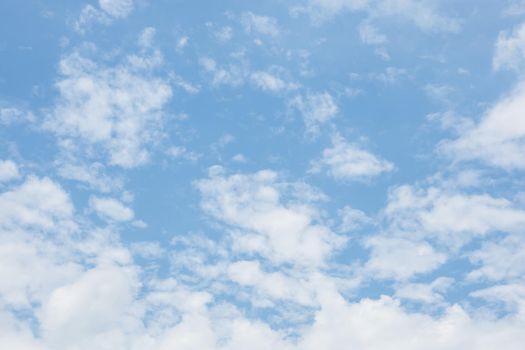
(287, 175)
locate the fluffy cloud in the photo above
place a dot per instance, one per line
(345, 161)
(280, 231)
(117, 110)
(450, 217)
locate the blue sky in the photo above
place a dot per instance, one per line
(307, 174)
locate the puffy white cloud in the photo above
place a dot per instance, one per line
(346, 161)
(8, 170)
(498, 139)
(352, 218)
(450, 217)
(38, 203)
(316, 109)
(399, 258)
(111, 208)
(117, 109)
(425, 292)
(281, 231)
(499, 260)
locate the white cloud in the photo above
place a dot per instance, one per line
(111, 208)
(352, 219)
(281, 232)
(91, 174)
(117, 109)
(316, 109)
(8, 170)
(223, 34)
(345, 161)
(452, 218)
(499, 260)
(39, 203)
(268, 81)
(423, 14)
(499, 137)
(510, 49)
(107, 11)
(233, 75)
(431, 293)
(259, 24)
(399, 258)
(10, 115)
(117, 8)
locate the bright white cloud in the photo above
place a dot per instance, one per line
(116, 109)
(499, 138)
(399, 258)
(346, 161)
(280, 231)
(452, 218)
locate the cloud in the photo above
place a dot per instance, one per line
(270, 81)
(370, 35)
(107, 11)
(316, 109)
(259, 24)
(400, 259)
(453, 218)
(498, 139)
(115, 109)
(510, 50)
(8, 170)
(233, 75)
(37, 203)
(423, 14)
(345, 161)
(117, 8)
(279, 231)
(111, 208)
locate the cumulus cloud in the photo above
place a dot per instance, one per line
(346, 161)
(279, 231)
(453, 218)
(115, 109)
(498, 139)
